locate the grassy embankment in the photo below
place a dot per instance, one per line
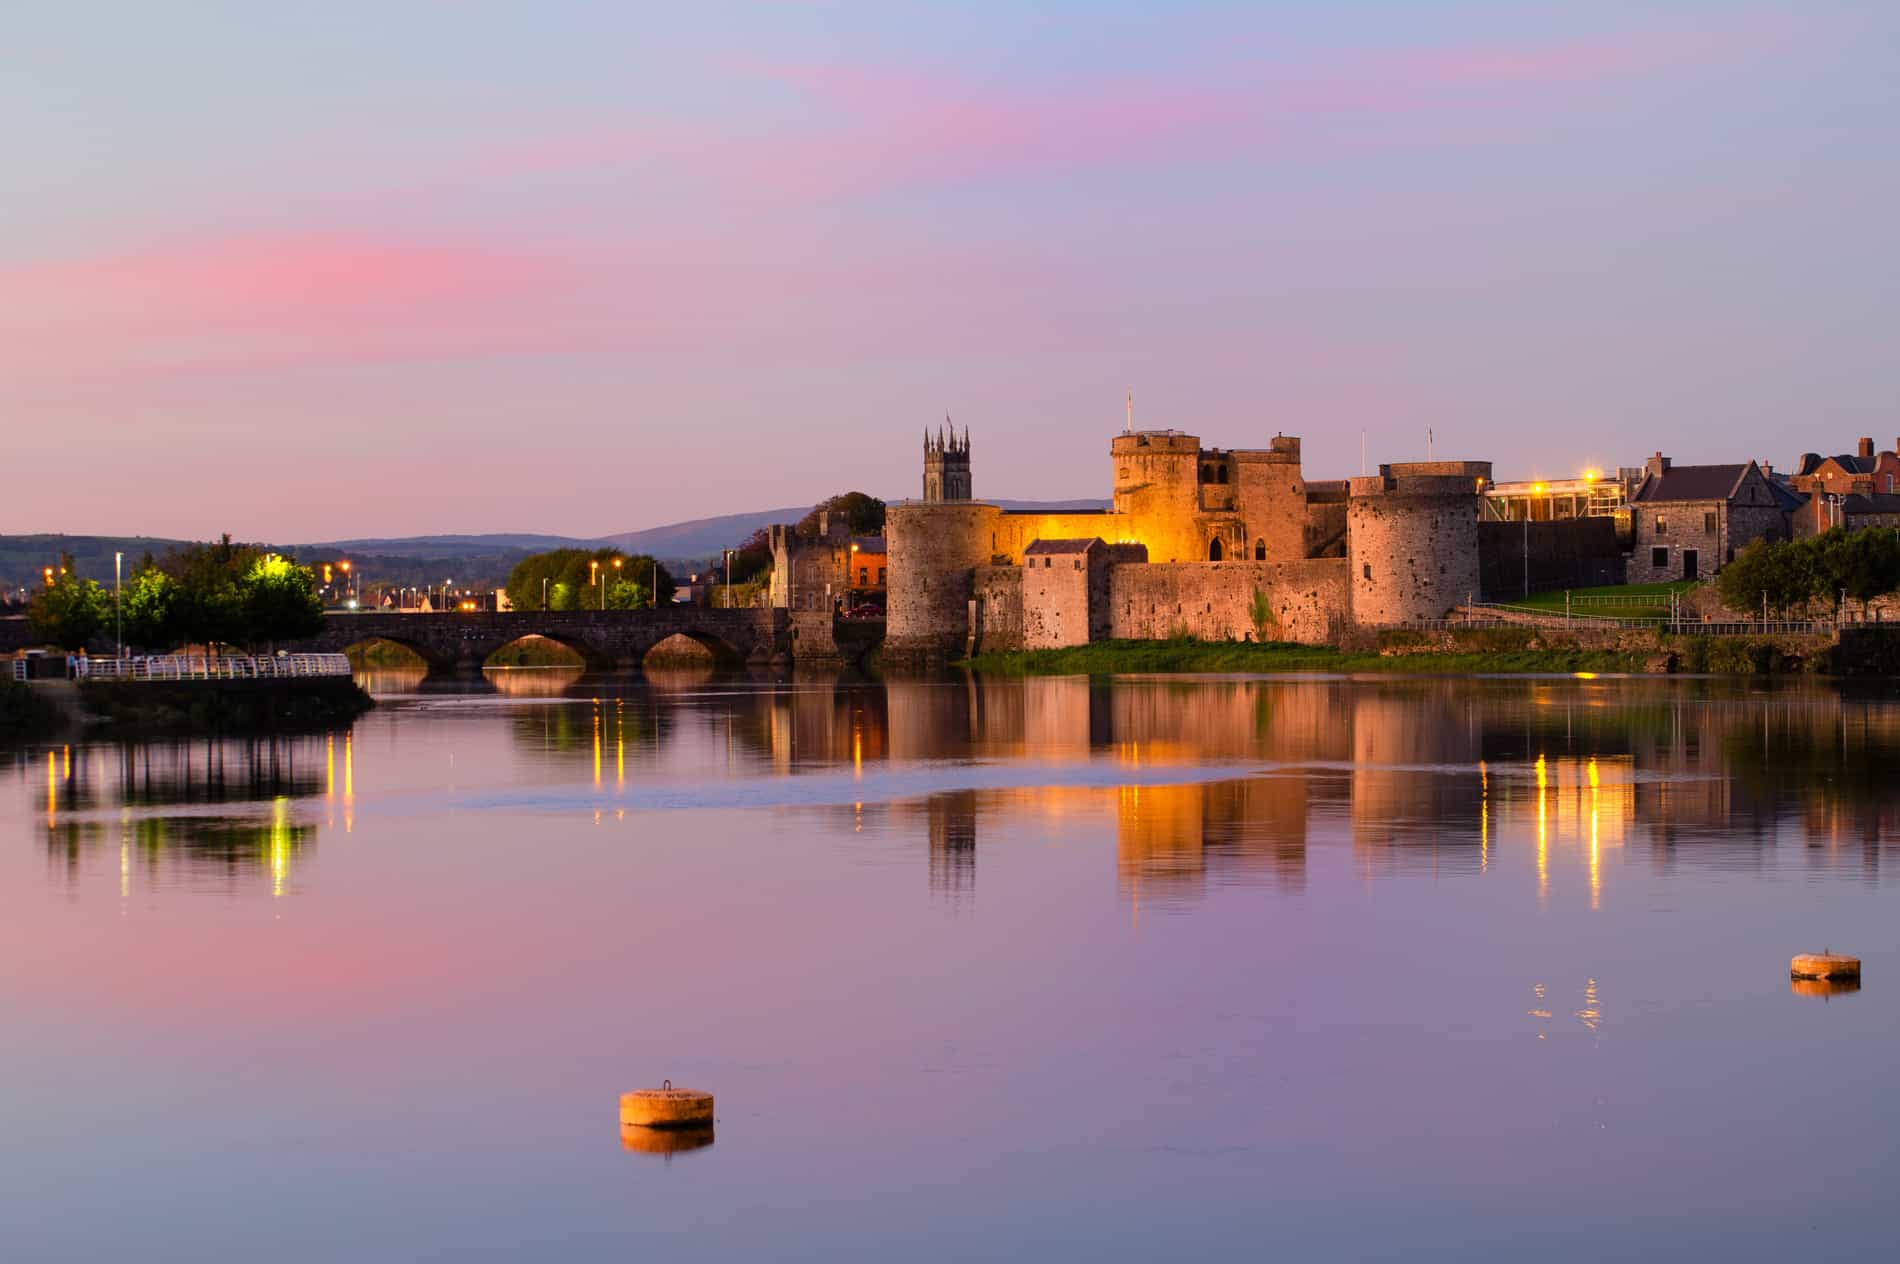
(1479, 651)
(1658, 608)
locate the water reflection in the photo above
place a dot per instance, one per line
(243, 829)
(1207, 782)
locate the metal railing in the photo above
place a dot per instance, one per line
(19, 669)
(207, 667)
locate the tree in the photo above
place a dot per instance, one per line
(280, 600)
(68, 610)
(208, 608)
(864, 514)
(572, 579)
(1873, 565)
(751, 560)
(147, 606)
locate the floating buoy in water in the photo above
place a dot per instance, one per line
(1824, 987)
(666, 1107)
(1824, 965)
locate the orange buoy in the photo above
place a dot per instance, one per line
(666, 1107)
(1824, 965)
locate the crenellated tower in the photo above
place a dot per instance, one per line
(947, 464)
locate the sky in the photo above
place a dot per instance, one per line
(321, 270)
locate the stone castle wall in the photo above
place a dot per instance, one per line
(1213, 601)
(933, 550)
(1412, 541)
(998, 591)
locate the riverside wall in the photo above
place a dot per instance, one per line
(1213, 601)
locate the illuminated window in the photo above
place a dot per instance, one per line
(1662, 525)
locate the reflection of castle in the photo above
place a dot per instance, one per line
(1222, 544)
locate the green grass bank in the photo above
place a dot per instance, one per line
(1111, 657)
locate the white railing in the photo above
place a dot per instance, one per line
(207, 667)
(19, 669)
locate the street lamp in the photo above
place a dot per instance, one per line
(603, 587)
(728, 579)
(544, 594)
(118, 619)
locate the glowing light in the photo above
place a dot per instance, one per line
(1538, 488)
(1592, 475)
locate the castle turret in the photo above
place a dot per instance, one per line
(1412, 540)
(947, 465)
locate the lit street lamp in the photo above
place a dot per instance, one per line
(728, 579)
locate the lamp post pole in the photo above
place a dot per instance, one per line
(728, 579)
(544, 594)
(118, 618)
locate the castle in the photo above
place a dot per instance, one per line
(1212, 543)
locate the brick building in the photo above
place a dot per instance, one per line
(1687, 521)
(1865, 472)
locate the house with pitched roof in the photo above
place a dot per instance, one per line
(1865, 472)
(1688, 521)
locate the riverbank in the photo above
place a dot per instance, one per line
(1116, 657)
(26, 712)
(1477, 650)
(188, 706)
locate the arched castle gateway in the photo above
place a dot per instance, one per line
(1220, 544)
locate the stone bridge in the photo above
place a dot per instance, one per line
(607, 640)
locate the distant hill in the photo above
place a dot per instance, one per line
(449, 546)
(476, 560)
(700, 538)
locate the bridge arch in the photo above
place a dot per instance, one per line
(692, 646)
(365, 656)
(539, 649)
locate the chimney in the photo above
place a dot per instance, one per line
(1656, 465)
(1866, 449)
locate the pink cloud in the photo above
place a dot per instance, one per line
(223, 300)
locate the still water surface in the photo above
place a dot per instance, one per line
(1157, 968)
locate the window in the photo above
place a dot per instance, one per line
(1708, 522)
(1207, 473)
(880, 574)
(1659, 558)
(864, 575)
(1259, 550)
(1220, 475)
(1662, 525)
(1213, 550)
(1367, 568)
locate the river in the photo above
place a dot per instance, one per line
(976, 969)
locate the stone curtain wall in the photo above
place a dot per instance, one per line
(999, 609)
(1214, 601)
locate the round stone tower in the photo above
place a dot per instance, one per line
(932, 548)
(1412, 540)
